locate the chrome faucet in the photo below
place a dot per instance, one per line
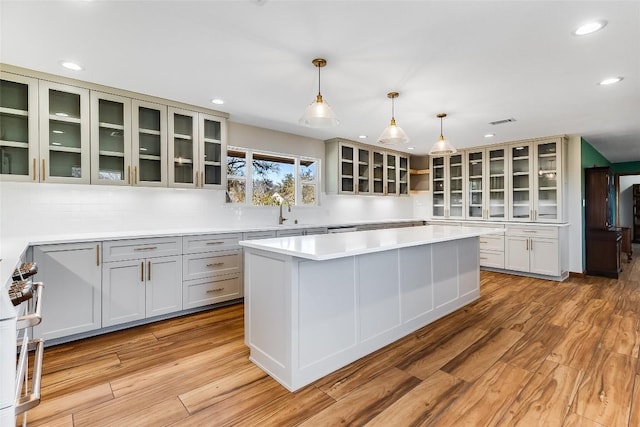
(282, 219)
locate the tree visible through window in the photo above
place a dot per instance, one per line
(275, 178)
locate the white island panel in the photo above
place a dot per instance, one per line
(305, 319)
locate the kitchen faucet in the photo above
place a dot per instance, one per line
(282, 219)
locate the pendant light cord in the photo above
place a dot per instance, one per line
(319, 79)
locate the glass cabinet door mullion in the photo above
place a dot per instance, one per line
(183, 148)
(18, 127)
(546, 199)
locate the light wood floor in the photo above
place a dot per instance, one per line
(529, 352)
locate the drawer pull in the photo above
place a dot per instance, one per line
(483, 258)
(215, 243)
(483, 241)
(216, 264)
(146, 248)
(211, 291)
(530, 231)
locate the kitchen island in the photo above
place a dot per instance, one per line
(314, 304)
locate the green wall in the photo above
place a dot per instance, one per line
(626, 168)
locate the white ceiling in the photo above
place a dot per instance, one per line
(478, 61)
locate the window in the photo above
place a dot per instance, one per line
(275, 178)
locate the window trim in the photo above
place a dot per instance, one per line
(298, 182)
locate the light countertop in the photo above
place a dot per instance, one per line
(331, 246)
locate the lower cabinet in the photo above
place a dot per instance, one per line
(71, 274)
(533, 250)
(143, 286)
(211, 269)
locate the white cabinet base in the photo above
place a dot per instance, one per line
(305, 319)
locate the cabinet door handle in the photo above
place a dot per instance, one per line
(202, 179)
(128, 174)
(135, 175)
(145, 248)
(530, 244)
(527, 244)
(142, 271)
(43, 169)
(216, 264)
(149, 270)
(35, 168)
(98, 255)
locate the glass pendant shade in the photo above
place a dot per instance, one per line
(319, 114)
(442, 147)
(393, 134)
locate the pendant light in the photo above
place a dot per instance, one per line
(318, 114)
(442, 147)
(393, 134)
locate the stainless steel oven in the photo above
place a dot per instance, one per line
(20, 308)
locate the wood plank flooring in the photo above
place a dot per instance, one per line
(529, 353)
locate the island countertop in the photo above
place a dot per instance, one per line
(332, 246)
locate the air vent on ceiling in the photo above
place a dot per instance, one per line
(503, 121)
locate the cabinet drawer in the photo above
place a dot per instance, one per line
(210, 242)
(210, 291)
(289, 233)
(121, 250)
(317, 230)
(255, 235)
(492, 259)
(199, 266)
(533, 231)
(492, 242)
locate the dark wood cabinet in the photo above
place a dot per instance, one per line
(603, 240)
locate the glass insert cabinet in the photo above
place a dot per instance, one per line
(196, 149)
(18, 128)
(63, 133)
(358, 169)
(520, 181)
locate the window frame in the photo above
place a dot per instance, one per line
(298, 182)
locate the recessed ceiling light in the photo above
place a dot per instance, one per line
(590, 27)
(362, 136)
(411, 148)
(71, 66)
(217, 101)
(611, 80)
(489, 135)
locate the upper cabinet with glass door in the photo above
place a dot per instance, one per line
(18, 127)
(447, 183)
(378, 172)
(183, 148)
(403, 175)
(149, 144)
(64, 133)
(110, 139)
(537, 181)
(486, 179)
(211, 149)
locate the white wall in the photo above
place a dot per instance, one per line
(625, 200)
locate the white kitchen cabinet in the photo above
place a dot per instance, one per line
(64, 133)
(486, 183)
(533, 249)
(18, 127)
(352, 168)
(448, 178)
(197, 149)
(149, 144)
(141, 278)
(71, 273)
(212, 269)
(111, 161)
(537, 184)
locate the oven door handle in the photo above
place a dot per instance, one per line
(32, 319)
(24, 403)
